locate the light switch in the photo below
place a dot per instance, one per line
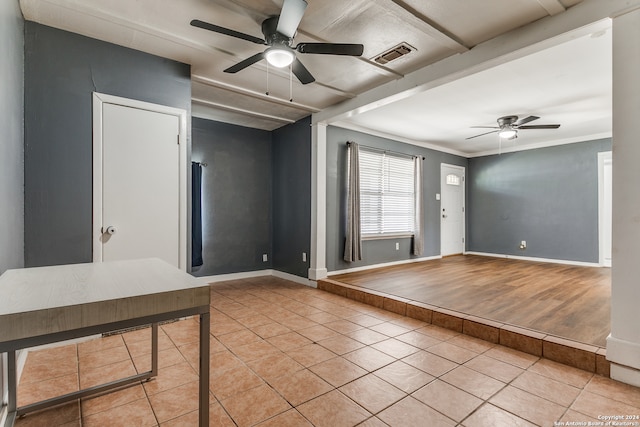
(437, 196)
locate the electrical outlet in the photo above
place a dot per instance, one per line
(304, 257)
(397, 246)
(523, 245)
(264, 258)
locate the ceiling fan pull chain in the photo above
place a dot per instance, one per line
(291, 82)
(267, 92)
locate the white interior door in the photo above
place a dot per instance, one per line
(452, 209)
(140, 185)
(605, 193)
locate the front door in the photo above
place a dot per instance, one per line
(452, 209)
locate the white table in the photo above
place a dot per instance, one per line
(50, 304)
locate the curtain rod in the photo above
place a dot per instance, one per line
(203, 164)
(387, 151)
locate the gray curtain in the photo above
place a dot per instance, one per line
(196, 215)
(418, 237)
(353, 243)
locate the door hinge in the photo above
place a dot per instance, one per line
(463, 240)
(178, 139)
(463, 209)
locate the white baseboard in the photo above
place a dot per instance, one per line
(234, 276)
(535, 259)
(384, 264)
(257, 273)
(294, 278)
(624, 374)
(317, 273)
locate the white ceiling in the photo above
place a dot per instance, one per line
(568, 84)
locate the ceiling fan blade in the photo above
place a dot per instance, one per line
(484, 127)
(331, 48)
(244, 64)
(526, 120)
(226, 31)
(290, 17)
(539, 127)
(482, 134)
(301, 72)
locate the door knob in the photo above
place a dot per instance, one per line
(110, 230)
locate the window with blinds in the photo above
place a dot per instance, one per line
(386, 193)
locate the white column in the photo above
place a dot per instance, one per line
(623, 345)
(318, 261)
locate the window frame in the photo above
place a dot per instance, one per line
(384, 177)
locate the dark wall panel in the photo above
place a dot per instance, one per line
(379, 251)
(547, 196)
(61, 72)
(292, 197)
(236, 196)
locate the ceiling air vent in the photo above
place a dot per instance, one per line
(394, 53)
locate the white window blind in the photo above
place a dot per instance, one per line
(386, 193)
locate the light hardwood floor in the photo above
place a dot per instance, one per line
(567, 301)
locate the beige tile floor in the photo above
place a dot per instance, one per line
(283, 354)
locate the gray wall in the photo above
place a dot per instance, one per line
(11, 144)
(61, 72)
(236, 196)
(547, 196)
(379, 251)
(12, 136)
(292, 197)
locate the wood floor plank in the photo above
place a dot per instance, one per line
(563, 300)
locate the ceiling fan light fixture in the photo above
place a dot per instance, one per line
(508, 133)
(279, 57)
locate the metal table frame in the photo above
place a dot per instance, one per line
(10, 347)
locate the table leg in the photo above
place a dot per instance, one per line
(12, 386)
(154, 350)
(204, 369)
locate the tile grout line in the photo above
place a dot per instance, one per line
(484, 401)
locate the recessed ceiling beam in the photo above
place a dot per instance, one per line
(253, 94)
(553, 7)
(241, 110)
(421, 23)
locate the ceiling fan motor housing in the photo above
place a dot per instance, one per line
(507, 121)
(273, 37)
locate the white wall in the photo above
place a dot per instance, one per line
(623, 345)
